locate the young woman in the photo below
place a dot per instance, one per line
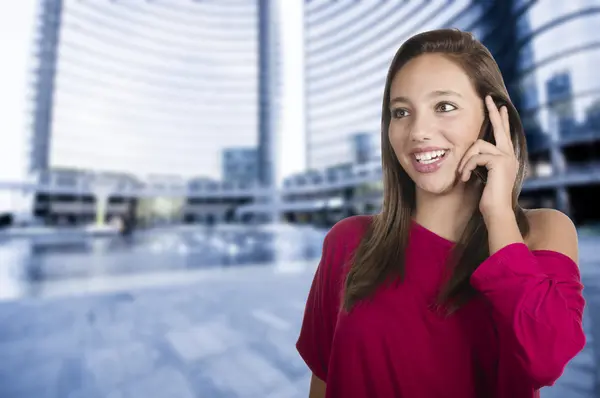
(453, 290)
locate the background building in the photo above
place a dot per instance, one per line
(169, 109)
(49, 15)
(546, 55)
(556, 75)
(348, 49)
(240, 165)
(155, 88)
(191, 79)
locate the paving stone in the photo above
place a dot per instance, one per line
(194, 341)
(163, 382)
(36, 377)
(113, 366)
(246, 373)
(205, 340)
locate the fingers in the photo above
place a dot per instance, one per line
(482, 159)
(480, 146)
(499, 123)
(505, 121)
(506, 124)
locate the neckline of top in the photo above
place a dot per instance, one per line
(430, 233)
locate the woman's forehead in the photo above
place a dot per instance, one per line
(431, 75)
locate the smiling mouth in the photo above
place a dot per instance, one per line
(430, 157)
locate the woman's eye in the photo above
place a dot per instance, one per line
(399, 113)
(446, 107)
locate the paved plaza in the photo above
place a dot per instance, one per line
(181, 331)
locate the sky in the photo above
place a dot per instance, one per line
(16, 30)
(17, 19)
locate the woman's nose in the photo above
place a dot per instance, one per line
(421, 129)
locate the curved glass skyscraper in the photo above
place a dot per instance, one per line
(556, 71)
(547, 52)
(152, 87)
(349, 46)
(558, 45)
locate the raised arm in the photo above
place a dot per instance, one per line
(536, 294)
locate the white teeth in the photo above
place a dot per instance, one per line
(426, 157)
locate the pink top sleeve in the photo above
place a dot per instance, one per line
(537, 303)
(320, 315)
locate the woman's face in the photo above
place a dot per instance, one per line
(436, 115)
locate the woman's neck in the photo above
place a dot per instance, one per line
(446, 214)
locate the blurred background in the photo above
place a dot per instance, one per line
(169, 168)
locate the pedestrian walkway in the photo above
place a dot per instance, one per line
(227, 335)
(230, 337)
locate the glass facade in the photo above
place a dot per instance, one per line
(547, 52)
(152, 87)
(560, 51)
(363, 148)
(47, 40)
(240, 165)
(348, 49)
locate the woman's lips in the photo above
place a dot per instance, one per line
(428, 167)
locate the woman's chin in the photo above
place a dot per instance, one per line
(437, 186)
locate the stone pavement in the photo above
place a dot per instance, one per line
(228, 336)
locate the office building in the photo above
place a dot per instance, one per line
(562, 41)
(349, 47)
(240, 166)
(547, 52)
(364, 148)
(149, 91)
(45, 61)
(154, 87)
(559, 94)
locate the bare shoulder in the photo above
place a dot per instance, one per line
(551, 229)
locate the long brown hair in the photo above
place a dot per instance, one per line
(381, 253)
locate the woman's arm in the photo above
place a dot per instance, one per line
(317, 387)
(535, 292)
(550, 230)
